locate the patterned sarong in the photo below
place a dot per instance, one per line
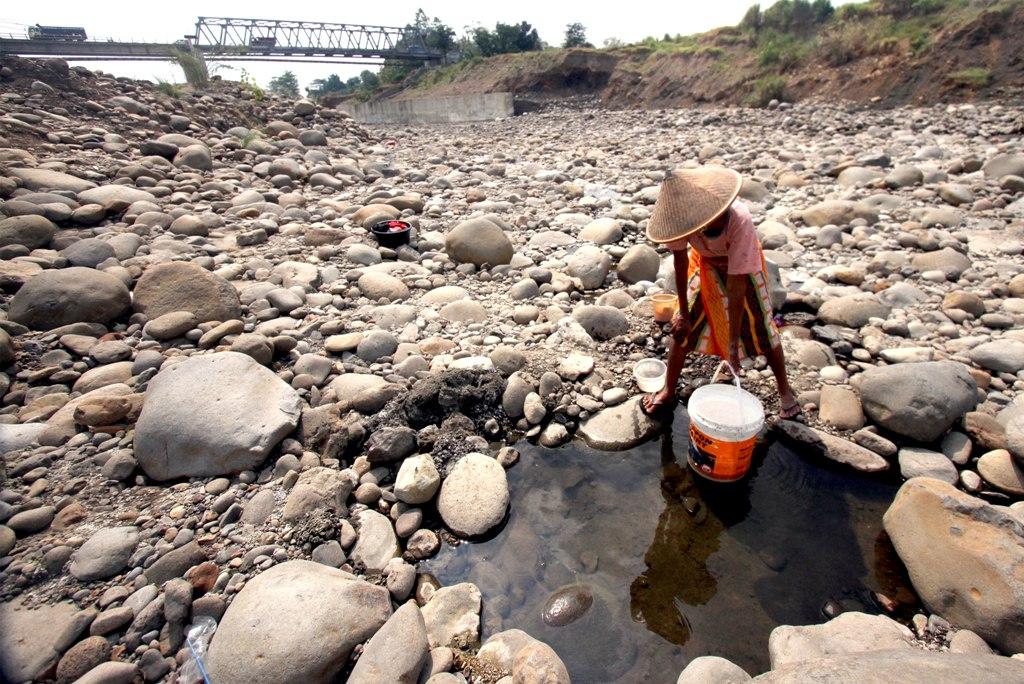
(709, 312)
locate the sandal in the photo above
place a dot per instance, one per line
(790, 412)
(659, 409)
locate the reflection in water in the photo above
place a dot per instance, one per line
(677, 575)
(677, 566)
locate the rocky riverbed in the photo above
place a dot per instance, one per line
(224, 402)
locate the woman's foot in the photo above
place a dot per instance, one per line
(656, 404)
(789, 407)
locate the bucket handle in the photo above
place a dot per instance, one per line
(735, 379)
(735, 375)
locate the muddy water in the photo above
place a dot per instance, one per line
(677, 567)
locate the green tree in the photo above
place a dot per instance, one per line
(576, 36)
(369, 80)
(752, 19)
(823, 10)
(286, 84)
(506, 38)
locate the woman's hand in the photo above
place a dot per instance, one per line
(680, 326)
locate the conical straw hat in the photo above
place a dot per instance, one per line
(691, 199)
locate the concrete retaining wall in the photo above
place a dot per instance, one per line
(453, 109)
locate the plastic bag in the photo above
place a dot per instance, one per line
(197, 639)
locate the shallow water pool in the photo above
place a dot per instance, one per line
(678, 567)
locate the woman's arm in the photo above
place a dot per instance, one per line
(736, 286)
(681, 263)
(681, 321)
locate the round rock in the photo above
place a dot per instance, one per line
(474, 496)
(213, 415)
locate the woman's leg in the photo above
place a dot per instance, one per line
(762, 337)
(787, 400)
(678, 350)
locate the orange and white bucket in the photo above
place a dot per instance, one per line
(724, 424)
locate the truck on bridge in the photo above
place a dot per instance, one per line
(70, 33)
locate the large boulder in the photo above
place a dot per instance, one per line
(30, 637)
(452, 616)
(63, 296)
(918, 400)
(853, 311)
(838, 213)
(590, 264)
(115, 198)
(47, 179)
(601, 322)
(296, 622)
(183, 286)
(479, 241)
(640, 262)
(847, 633)
(105, 554)
(1001, 356)
(31, 231)
(619, 427)
(213, 415)
(899, 667)
(397, 652)
(1004, 165)
(965, 558)
(474, 496)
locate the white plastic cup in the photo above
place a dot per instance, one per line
(650, 375)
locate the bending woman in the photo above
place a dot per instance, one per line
(720, 276)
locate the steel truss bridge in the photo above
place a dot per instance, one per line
(233, 39)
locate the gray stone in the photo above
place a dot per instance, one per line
(474, 496)
(712, 670)
(835, 448)
(904, 667)
(376, 344)
(377, 543)
(212, 415)
(182, 286)
(30, 231)
(28, 637)
(915, 462)
(963, 556)
(417, 480)
(640, 262)
(464, 311)
(31, 521)
(537, 663)
(847, 633)
(47, 179)
(590, 264)
(297, 621)
(619, 427)
(397, 652)
(840, 407)
(1001, 356)
(918, 400)
(479, 241)
(59, 297)
(377, 285)
(602, 231)
(452, 616)
(319, 488)
(601, 322)
(852, 311)
(105, 554)
(1003, 165)
(115, 198)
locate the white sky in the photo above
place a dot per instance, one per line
(166, 22)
